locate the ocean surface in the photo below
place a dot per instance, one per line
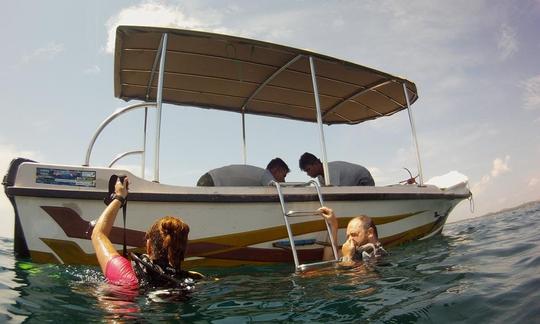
(484, 270)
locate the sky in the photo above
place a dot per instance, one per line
(475, 63)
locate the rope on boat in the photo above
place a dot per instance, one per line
(471, 203)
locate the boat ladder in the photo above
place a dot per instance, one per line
(294, 213)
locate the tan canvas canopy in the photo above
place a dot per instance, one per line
(242, 75)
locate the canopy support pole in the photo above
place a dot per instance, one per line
(244, 147)
(143, 157)
(159, 100)
(154, 66)
(413, 129)
(148, 89)
(319, 121)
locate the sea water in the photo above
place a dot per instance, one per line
(483, 270)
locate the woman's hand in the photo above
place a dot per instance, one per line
(121, 189)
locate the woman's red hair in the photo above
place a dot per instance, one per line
(168, 237)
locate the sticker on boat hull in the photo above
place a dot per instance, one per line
(62, 177)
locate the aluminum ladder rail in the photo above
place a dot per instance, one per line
(293, 213)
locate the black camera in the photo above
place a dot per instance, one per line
(112, 182)
(121, 178)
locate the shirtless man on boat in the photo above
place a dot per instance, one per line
(362, 241)
(341, 173)
(245, 175)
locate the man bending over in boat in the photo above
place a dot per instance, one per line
(362, 241)
(238, 175)
(341, 173)
(166, 243)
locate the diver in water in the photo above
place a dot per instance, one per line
(166, 243)
(362, 241)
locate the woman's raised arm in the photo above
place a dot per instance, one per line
(105, 250)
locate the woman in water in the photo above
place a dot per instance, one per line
(166, 243)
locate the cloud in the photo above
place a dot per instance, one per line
(7, 153)
(531, 93)
(135, 169)
(507, 42)
(502, 200)
(477, 133)
(338, 22)
(480, 186)
(533, 182)
(159, 14)
(500, 166)
(47, 52)
(376, 172)
(93, 70)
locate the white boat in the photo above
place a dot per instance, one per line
(55, 204)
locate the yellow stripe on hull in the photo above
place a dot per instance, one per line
(71, 253)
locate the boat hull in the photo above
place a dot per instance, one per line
(230, 226)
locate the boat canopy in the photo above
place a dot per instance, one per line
(247, 76)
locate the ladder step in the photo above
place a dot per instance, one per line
(295, 184)
(300, 213)
(306, 266)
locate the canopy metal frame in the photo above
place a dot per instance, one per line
(159, 65)
(159, 103)
(319, 121)
(415, 139)
(253, 95)
(106, 122)
(317, 104)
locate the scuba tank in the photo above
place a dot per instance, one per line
(152, 274)
(369, 251)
